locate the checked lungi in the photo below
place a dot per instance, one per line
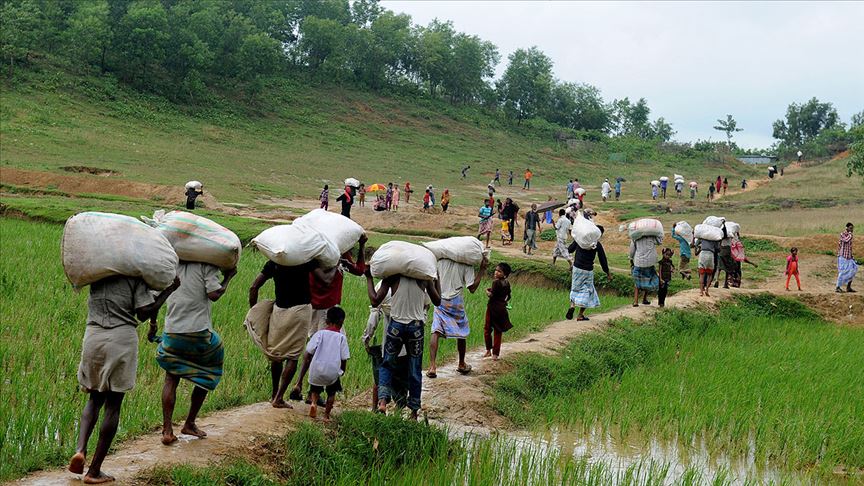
(582, 290)
(449, 318)
(645, 278)
(846, 270)
(195, 356)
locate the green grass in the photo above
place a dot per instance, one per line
(52, 119)
(763, 368)
(42, 321)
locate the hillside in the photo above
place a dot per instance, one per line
(295, 138)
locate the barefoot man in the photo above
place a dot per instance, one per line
(189, 347)
(449, 319)
(407, 315)
(109, 360)
(292, 313)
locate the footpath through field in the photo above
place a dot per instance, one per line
(461, 402)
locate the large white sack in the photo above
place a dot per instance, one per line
(679, 181)
(732, 228)
(684, 230)
(708, 232)
(342, 231)
(645, 227)
(579, 191)
(291, 245)
(694, 184)
(461, 249)
(403, 258)
(99, 245)
(678, 176)
(352, 182)
(715, 221)
(664, 179)
(194, 185)
(585, 233)
(655, 183)
(198, 239)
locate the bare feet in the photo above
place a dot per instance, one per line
(488, 354)
(98, 479)
(168, 437)
(76, 464)
(280, 403)
(313, 411)
(414, 415)
(192, 429)
(495, 357)
(382, 406)
(326, 417)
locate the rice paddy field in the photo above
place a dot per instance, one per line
(764, 378)
(43, 322)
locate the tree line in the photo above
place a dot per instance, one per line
(186, 49)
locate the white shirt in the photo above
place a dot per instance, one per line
(606, 188)
(328, 348)
(188, 306)
(454, 277)
(562, 228)
(408, 303)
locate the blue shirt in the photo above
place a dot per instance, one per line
(618, 186)
(684, 245)
(485, 213)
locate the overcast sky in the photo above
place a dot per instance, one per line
(693, 61)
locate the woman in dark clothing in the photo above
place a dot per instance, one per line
(509, 213)
(347, 199)
(191, 195)
(582, 291)
(497, 317)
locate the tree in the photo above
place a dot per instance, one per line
(526, 86)
(804, 122)
(472, 62)
(631, 119)
(729, 126)
(661, 130)
(142, 41)
(578, 106)
(434, 53)
(89, 33)
(365, 12)
(20, 28)
(857, 120)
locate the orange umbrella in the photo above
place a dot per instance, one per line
(376, 188)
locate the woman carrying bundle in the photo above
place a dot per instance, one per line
(583, 294)
(643, 261)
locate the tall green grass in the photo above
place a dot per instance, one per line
(763, 369)
(42, 323)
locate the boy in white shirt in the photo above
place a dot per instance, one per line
(326, 357)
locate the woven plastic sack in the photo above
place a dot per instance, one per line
(352, 182)
(342, 231)
(585, 233)
(100, 245)
(645, 227)
(655, 183)
(664, 179)
(579, 191)
(715, 221)
(198, 239)
(732, 228)
(708, 232)
(194, 185)
(460, 249)
(403, 258)
(684, 230)
(291, 245)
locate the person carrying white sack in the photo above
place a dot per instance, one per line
(583, 294)
(605, 189)
(405, 328)
(449, 319)
(643, 261)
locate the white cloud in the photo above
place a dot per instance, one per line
(694, 61)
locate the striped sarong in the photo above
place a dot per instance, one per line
(645, 278)
(449, 318)
(846, 270)
(485, 226)
(582, 291)
(196, 356)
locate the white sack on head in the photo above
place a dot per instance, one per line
(352, 182)
(100, 245)
(655, 183)
(194, 185)
(645, 227)
(664, 179)
(679, 181)
(579, 191)
(342, 231)
(198, 239)
(708, 232)
(732, 228)
(403, 258)
(715, 221)
(684, 230)
(460, 249)
(291, 245)
(694, 184)
(679, 176)
(585, 233)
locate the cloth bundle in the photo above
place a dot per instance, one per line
(403, 258)
(460, 249)
(644, 227)
(708, 232)
(585, 233)
(197, 239)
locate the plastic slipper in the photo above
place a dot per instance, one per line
(430, 374)
(465, 370)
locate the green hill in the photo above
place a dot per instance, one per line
(294, 138)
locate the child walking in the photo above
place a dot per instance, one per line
(792, 268)
(505, 232)
(497, 317)
(326, 357)
(325, 197)
(667, 268)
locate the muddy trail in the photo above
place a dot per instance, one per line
(460, 402)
